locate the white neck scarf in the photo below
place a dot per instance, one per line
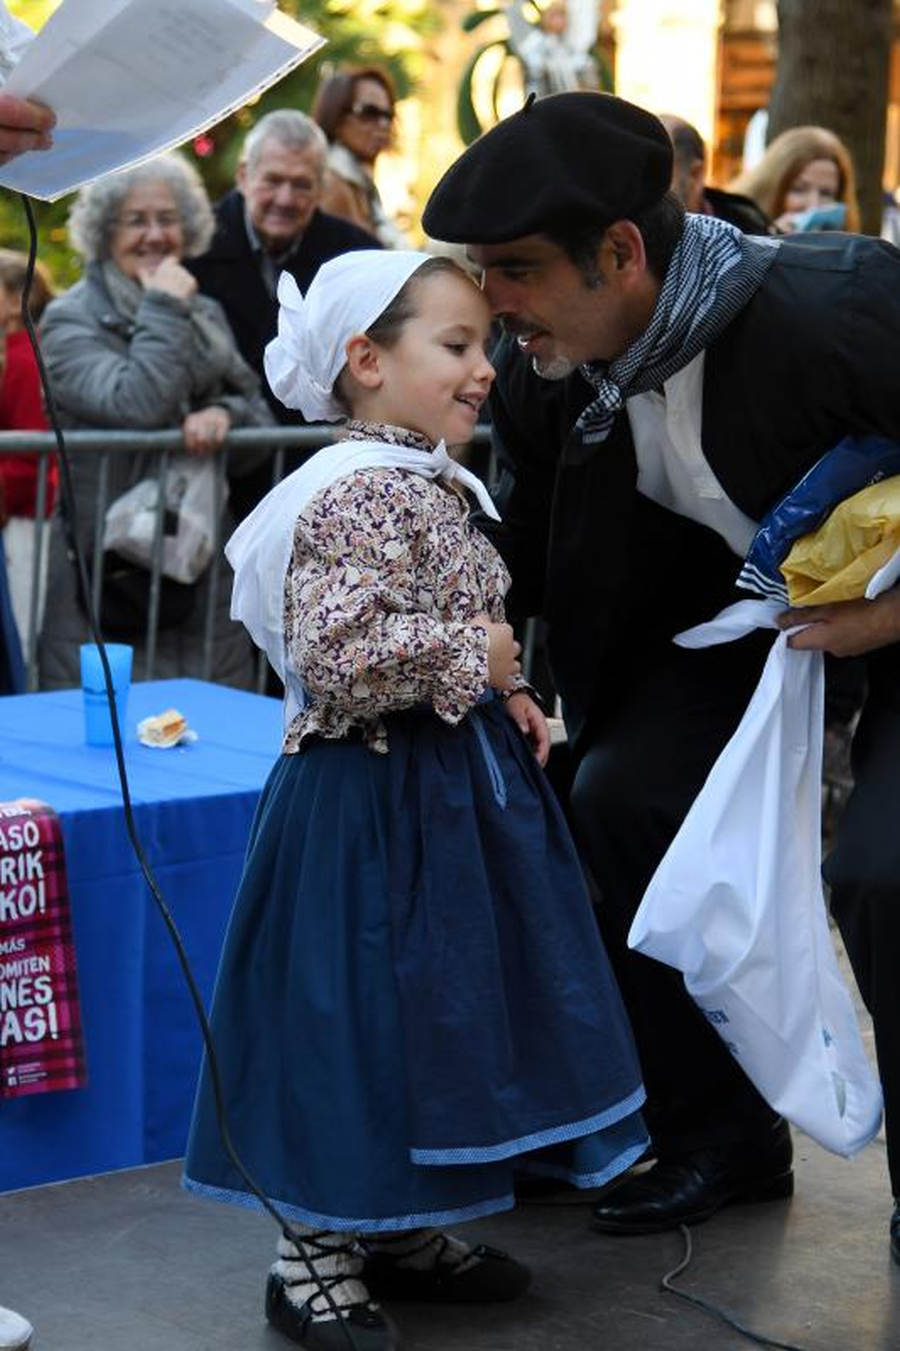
(259, 551)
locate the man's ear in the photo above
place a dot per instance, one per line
(626, 246)
(363, 361)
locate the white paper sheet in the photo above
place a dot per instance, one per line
(129, 79)
(14, 38)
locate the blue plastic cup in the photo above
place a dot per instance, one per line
(97, 721)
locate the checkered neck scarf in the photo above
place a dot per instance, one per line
(714, 271)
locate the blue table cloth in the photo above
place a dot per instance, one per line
(193, 806)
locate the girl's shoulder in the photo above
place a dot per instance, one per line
(369, 486)
(354, 468)
(374, 492)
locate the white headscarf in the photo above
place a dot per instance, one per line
(260, 548)
(345, 297)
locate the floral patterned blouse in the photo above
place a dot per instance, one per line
(386, 576)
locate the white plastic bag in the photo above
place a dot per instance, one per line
(189, 519)
(736, 903)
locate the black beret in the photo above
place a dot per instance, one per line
(569, 159)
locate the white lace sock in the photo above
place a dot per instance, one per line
(421, 1249)
(336, 1261)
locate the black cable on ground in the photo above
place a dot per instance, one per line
(130, 825)
(707, 1307)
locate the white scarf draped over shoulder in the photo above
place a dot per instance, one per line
(260, 549)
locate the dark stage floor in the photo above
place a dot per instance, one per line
(129, 1262)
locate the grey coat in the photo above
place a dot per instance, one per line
(109, 371)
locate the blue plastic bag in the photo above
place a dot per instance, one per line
(853, 464)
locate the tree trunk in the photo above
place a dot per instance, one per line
(833, 61)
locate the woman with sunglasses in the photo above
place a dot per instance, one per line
(355, 109)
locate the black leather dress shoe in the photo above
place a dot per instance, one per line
(365, 1327)
(895, 1232)
(691, 1188)
(488, 1276)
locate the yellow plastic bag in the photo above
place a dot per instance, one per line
(836, 561)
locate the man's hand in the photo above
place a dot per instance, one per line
(503, 652)
(23, 126)
(205, 430)
(530, 720)
(847, 628)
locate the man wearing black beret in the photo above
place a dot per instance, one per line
(662, 382)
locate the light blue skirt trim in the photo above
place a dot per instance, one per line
(555, 1135)
(622, 1162)
(340, 1223)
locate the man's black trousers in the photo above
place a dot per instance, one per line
(639, 769)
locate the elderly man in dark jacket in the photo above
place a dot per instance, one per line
(269, 223)
(663, 381)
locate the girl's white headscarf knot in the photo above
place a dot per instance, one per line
(345, 297)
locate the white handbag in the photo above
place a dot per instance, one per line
(737, 905)
(189, 520)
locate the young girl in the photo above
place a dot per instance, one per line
(413, 999)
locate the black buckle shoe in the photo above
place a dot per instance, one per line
(691, 1189)
(365, 1328)
(895, 1233)
(486, 1276)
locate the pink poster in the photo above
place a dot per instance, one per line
(41, 1048)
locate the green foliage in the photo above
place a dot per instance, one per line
(386, 33)
(477, 18)
(467, 121)
(53, 248)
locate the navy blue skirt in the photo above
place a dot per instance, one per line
(413, 997)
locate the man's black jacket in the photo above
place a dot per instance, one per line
(812, 358)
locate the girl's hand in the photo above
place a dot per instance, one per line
(205, 430)
(503, 651)
(530, 720)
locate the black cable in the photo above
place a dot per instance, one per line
(130, 825)
(727, 1318)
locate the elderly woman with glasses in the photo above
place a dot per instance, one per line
(134, 346)
(355, 109)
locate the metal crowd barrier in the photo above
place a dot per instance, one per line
(280, 440)
(164, 444)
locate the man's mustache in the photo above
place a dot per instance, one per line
(517, 328)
